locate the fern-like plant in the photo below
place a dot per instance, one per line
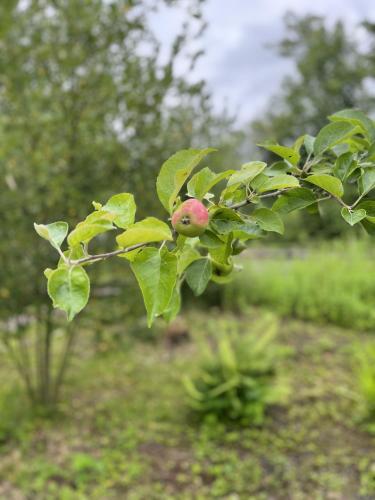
(239, 374)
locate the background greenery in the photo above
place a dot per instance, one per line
(88, 108)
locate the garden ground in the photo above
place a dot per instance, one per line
(125, 430)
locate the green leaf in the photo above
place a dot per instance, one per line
(247, 173)
(268, 220)
(249, 230)
(146, 231)
(353, 216)
(174, 305)
(47, 272)
(187, 255)
(97, 205)
(278, 168)
(209, 240)
(321, 168)
(130, 256)
(332, 134)
(101, 216)
(258, 181)
(225, 220)
(123, 207)
(356, 117)
(283, 181)
(344, 166)
(369, 226)
(298, 142)
(202, 182)
(369, 206)
(367, 181)
(294, 199)
(233, 194)
(290, 154)
(198, 274)
(174, 173)
(73, 253)
(371, 153)
(327, 182)
(85, 231)
(309, 144)
(156, 273)
(55, 233)
(244, 230)
(222, 254)
(69, 289)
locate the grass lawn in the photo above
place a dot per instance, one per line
(125, 431)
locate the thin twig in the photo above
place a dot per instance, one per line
(102, 256)
(307, 164)
(341, 202)
(324, 198)
(358, 200)
(248, 201)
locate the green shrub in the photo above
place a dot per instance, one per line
(239, 373)
(365, 371)
(330, 284)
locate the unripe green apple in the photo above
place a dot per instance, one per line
(191, 218)
(221, 273)
(221, 269)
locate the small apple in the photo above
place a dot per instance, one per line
(220, 269)
(191, 218)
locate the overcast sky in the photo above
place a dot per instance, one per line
(238, 67)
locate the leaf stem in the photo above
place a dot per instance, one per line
(358, 200)
(342, 202)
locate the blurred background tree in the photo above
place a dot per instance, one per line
(332, 72)
(88, 107)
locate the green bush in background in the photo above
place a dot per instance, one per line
(364, 362)
(238, 376)
(333, 283)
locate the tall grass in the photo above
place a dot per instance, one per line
(334, 283)
(364, 367)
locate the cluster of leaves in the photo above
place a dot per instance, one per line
(239, 376)
(338, 164)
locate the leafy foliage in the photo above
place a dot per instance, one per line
(69, 289)
(238, 378)
(156, 273)
(174, 172)
(239, 214)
